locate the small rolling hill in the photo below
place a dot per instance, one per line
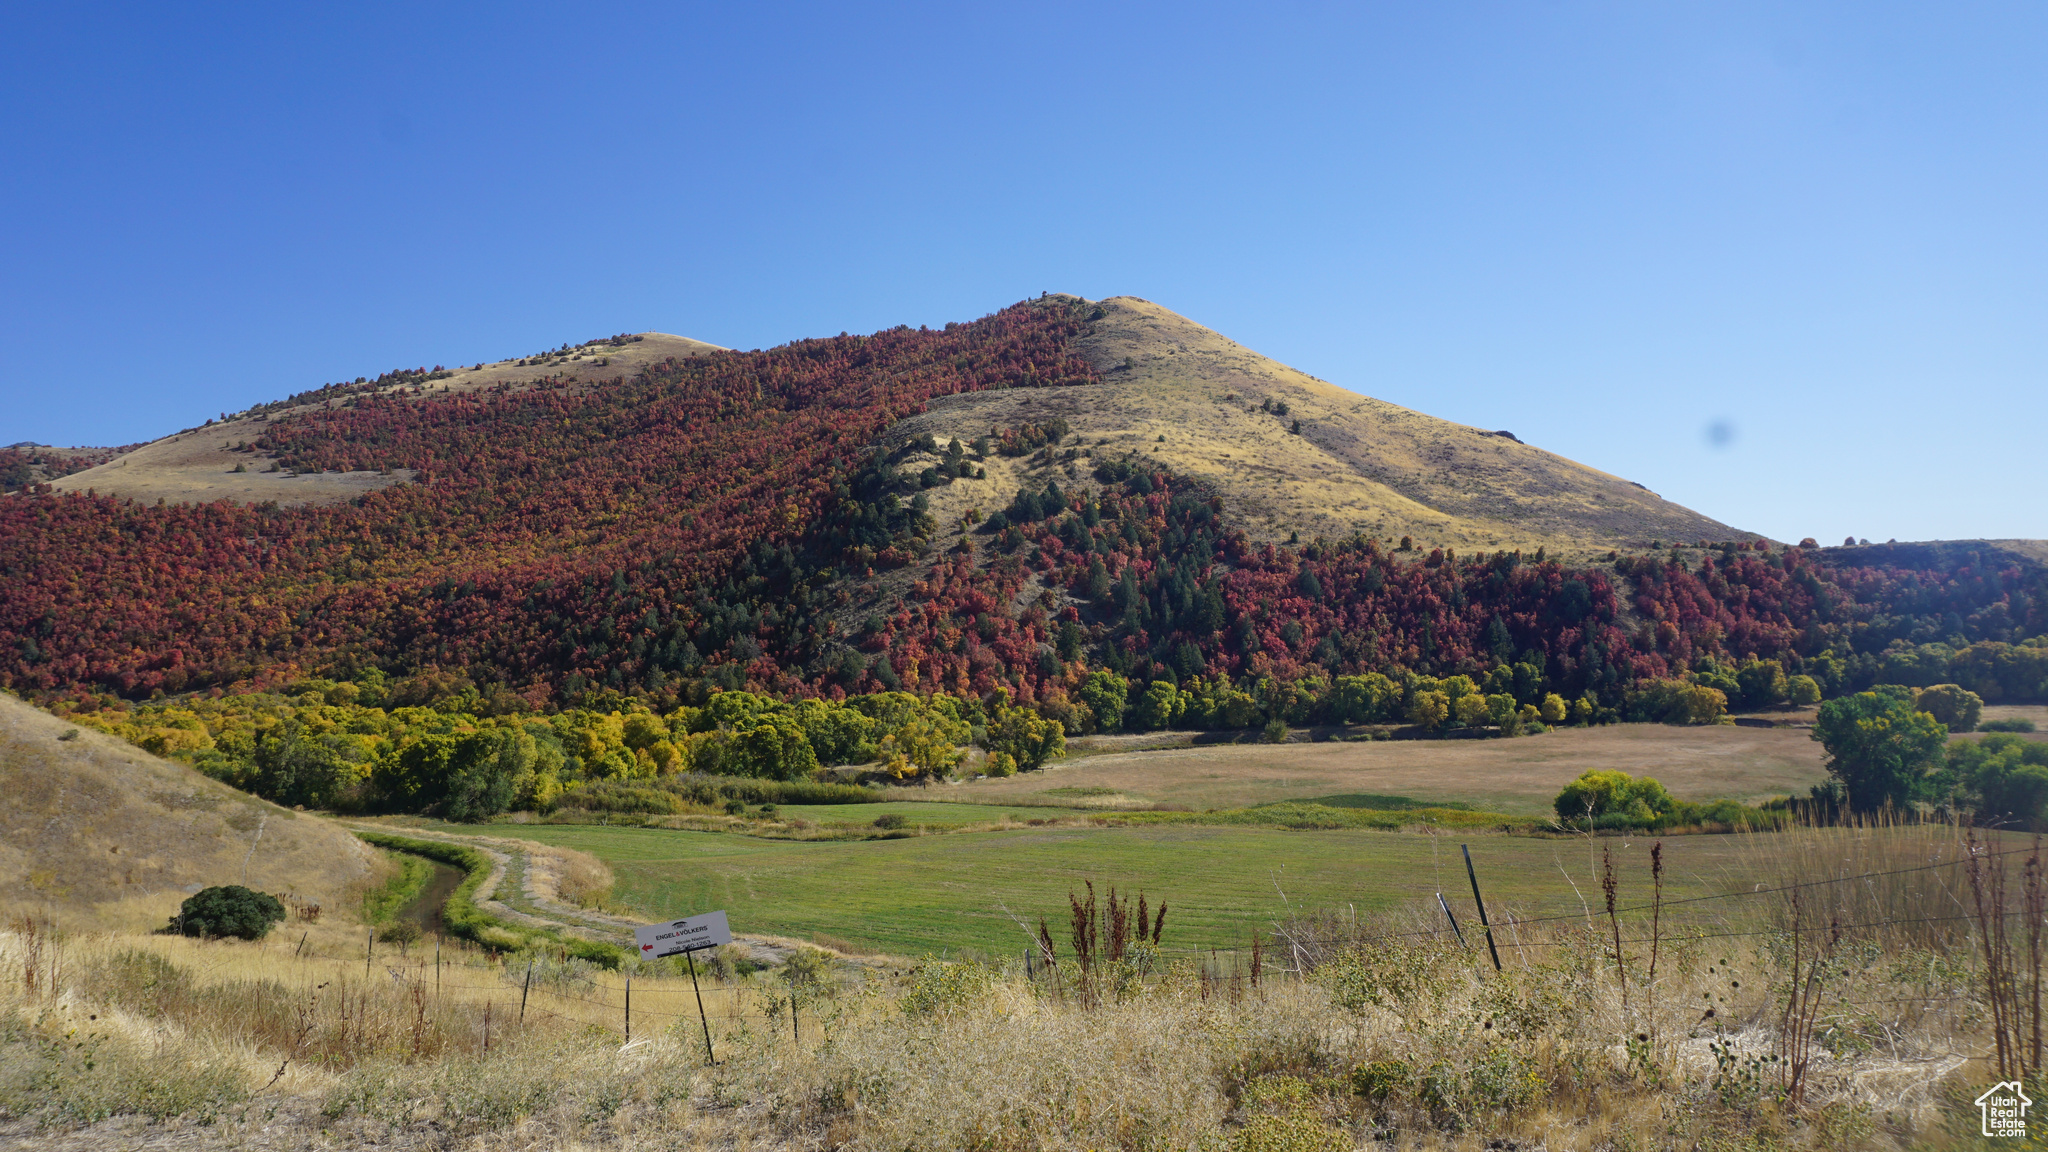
(1202, 405)
(107, 836)
(198, 465)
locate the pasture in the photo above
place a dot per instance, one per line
(945, 893)
(1520, 776)
(957, 890)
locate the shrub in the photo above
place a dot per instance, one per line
(1805, 691)
(1957, 708)
(889, 820)
(2008, 774)
(399, 932)
(1380, 1079)
(1676, 702)
(938, 987)
(1595, 795)
(228, 910)
(2016, 724)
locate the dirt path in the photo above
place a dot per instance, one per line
(526, 903)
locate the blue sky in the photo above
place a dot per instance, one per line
(1611, 229)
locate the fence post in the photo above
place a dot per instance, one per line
(629, 1007)
(523, 988)
(1445, 905)
(437, 975)
(369, 949)
(1495, 952)
(691, 959)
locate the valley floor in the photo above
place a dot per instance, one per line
(1520, 776)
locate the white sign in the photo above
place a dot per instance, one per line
(679, 936)
(2004, 1109)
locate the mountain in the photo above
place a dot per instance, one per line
(1058, 488)
(1203, 407)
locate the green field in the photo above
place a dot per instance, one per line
(948, 892)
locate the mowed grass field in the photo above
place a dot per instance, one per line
(1520, 776)
(945, 893)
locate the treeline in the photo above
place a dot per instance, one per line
(358, 746)
(1890, 748)
(347, 391)
(1195, 622)
(27, 466)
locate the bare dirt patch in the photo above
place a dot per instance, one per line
(1518, 776)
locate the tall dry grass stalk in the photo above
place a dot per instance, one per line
(2012, 977)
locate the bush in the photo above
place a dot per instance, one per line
(228, 910)
(1596, 795)
(1957, 708)
(1676, 702)
(2016, 724)
(2008, 774)
(670, 794)
(889, 820)
(1805, 691)
(1275, 731)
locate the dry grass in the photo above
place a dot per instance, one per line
(104, 835)
(1516, 776)
(1359, 464)
(1394, 1034)
(569, 876)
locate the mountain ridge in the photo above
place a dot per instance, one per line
(787, 520)
(1357, 465)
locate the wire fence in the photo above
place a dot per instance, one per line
(654, 995)
(510, 981)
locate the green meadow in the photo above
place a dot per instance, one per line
(946, 893)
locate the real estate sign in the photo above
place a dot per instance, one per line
(675, 937)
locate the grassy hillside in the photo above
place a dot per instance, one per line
(1193, 402)
(221, 461)
(107, 836)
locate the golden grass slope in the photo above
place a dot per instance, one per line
(1357, 465)
(199, 465)
(107, 836)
